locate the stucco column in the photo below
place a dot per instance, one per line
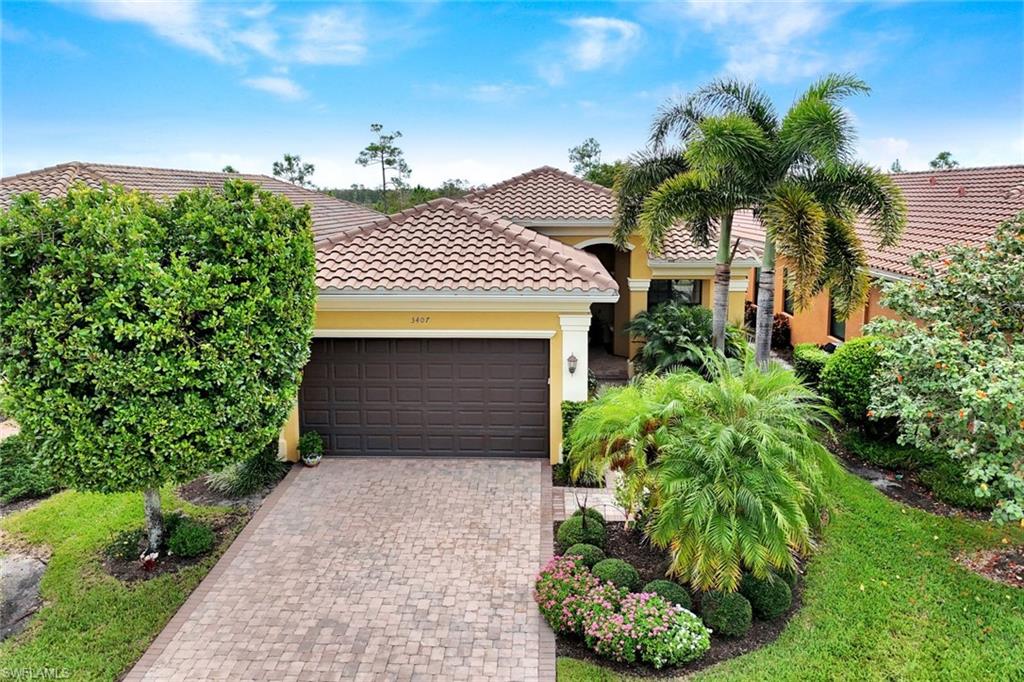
(737, 297)
(574, 343)
(638, 289)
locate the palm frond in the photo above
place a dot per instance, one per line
(818, 130)
(796, 221)
(869, 193)
(726, 95)
(844, 272)
(731, 145)
(684, 197)
(680, 118)
(837, 86)
(642, 173)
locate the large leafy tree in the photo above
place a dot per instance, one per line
(723, 467)
(586, 162)
(952, 369)
(146, 342)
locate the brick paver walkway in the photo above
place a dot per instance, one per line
(376, 569)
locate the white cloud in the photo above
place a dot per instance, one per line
(36, 40)
(593, 43)
(285, 88)
(180, 21)
(771, 41)
(333, 37)
(497, 92)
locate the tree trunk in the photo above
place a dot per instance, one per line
(765, 305)
(383, 183)
(723, 271)
(154, 519)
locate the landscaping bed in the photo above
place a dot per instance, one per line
(651, 563)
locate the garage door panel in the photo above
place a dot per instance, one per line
(434, 397)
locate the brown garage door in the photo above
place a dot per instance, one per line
(439, 397)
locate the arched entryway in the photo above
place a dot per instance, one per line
(609, 343)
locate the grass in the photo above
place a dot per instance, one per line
(92, 626)
(884, 600)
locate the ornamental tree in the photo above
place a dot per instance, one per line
(145, 342)
(955, 377)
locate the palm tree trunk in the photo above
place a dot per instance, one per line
(154, 519)
(723, 272)
(765, 304)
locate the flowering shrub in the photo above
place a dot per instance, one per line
(567, 593)
(954, 378)
(647, 628)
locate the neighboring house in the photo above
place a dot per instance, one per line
(456, 327)
(944, 207)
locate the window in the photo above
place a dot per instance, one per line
(787, 295)
(685, 291)
(836, 327)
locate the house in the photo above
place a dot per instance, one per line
(456, 327)
(944, 207)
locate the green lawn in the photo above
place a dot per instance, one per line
(92, 625)
(885, 600)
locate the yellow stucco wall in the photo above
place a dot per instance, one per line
(436, 321)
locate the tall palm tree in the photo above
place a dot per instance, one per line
(812, 193)
(798, 176)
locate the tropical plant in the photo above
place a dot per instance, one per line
(943, 161)
(742, 483)
(724, 466)
(951, 369)
(251, 474)
(146, 342)
(675, 336)
(803, 184)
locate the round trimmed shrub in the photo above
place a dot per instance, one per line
(790, 578)
(727, 613)
(588, 555)
(670, 592)
(572, 531)
(846, 377)
(808, 361)
(591, 514)
(769, 598)
(191, 538)
(620, 573)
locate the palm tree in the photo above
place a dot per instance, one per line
(812, 192)
(742, 486)
(657, 188)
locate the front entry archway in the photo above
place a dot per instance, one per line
(609, 342)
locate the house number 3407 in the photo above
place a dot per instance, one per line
(420, 319)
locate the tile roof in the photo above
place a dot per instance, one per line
(958, 206)
(680, 247)
(454, 246)
(547, 194)
(330, 216)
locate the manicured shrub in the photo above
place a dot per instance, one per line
(781, 332)
(574, 531)
(727, 613)
(566, 593)
(588, 555)
(946, 479)
(22, 474)
(591, 513)
(570, 410)
(808, 361)
(671, 592)
(790, 578)
(250, 475)
(618, 572)
(647, 628)
(126, 545)
(769, 598)
(846, 378)
(190, 538)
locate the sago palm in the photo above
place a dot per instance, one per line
(741, 479)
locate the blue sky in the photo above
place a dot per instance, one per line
(481, 91)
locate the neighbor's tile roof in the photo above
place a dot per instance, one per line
(547, 194)
(959, 206)
(679, 246)
(330, 216)
(453, 246)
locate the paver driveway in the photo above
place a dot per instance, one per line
(376, 569)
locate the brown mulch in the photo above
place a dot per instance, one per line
(651, 563)
(225, 527)
(1004, 566)
(199, 492)
(903, 486)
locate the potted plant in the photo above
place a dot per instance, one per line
(311, 448)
